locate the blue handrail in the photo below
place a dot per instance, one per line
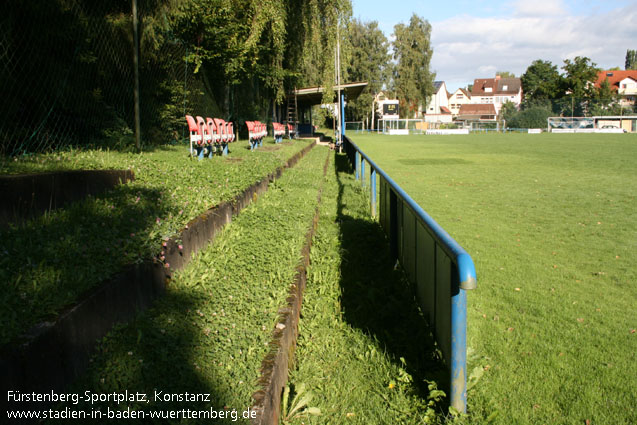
(450, 329)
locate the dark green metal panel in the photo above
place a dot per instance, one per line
(399, 228)
(443, 303)
(384, 206)
(426, 273)
(409, 243)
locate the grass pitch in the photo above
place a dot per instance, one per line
(550, 223)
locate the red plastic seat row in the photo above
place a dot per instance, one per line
(278, 131)
(256, 132)
(291, 131)
(206, 135)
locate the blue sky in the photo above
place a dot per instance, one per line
(474, 39)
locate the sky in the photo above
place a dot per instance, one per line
(475, 39)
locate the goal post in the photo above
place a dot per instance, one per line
(402, 126)
(356, 126)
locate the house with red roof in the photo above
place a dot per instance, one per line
(497, 91)
(477, 112)
(624, 83)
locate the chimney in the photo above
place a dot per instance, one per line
(497, 77)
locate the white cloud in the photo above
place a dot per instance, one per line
(547, 8)
(467, 47)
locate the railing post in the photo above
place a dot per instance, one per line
(357, 159)
(372, 179)
(363, 171)
(458, 396)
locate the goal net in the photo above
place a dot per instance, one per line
(355, 126)
(402, 126)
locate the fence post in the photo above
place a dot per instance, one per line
(357, 159)
(138, 143)
(458, 396)
(363, 171)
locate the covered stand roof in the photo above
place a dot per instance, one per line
(310, 96)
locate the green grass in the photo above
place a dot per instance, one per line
(550, 223)
(47, 262)
(211, 330)
(364, 351)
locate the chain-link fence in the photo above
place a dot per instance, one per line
(67, 78)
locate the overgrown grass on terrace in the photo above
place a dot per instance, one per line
(550, 223)
(47, 262)
(211, 330)
(364, 350)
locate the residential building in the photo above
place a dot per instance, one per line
(438, 108)
(497, 91)
(457, 99)
(624, 83)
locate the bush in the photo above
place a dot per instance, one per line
(532, 117)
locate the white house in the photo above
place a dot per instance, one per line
(457, 99)
(438, 108)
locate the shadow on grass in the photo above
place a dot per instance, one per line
(48, 262)
(376, 296)
(157, 355)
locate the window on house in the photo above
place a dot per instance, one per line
(459, 96)
(505, 88)
(488, 89)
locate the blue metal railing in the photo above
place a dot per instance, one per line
(440, 269)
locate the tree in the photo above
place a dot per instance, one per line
(413, 79)
(541, 83)
(370, 61)
(252, 52)
(631, 59)
(534, 116)
(580, 74)
(505, 74)
(508, 111)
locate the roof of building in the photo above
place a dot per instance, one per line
(477, 109)
(438, 84)
(465, 91)
(314, 95)
(498, 85)
(614, 77)
(444, 110)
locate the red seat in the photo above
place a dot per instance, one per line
(196, 136)
(214, 132)
(230, 133)
(205, 134)
(222, 129)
